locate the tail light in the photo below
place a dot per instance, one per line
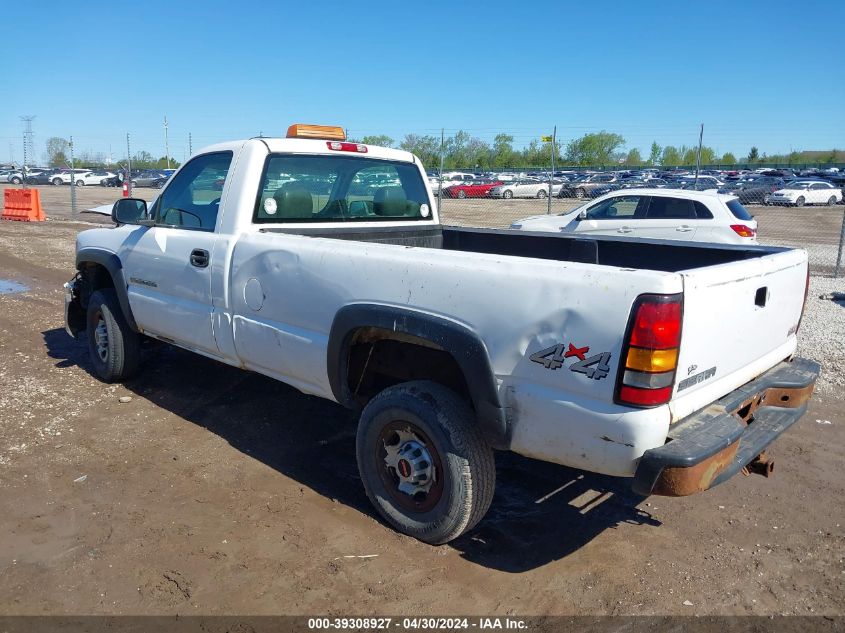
(743, 231)
(346, 147)
(647, 376)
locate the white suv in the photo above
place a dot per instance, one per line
(670, 214)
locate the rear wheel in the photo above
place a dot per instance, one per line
(580, 193)
(114, 348)
(800, 201)
(541, 194)
(15, 180)
(424, 464)
(508, 194)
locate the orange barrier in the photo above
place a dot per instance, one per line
(23, 205)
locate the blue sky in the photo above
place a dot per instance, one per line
(755, 73)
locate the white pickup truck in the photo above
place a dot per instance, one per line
(323, 264)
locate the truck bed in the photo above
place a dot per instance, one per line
(658, 255)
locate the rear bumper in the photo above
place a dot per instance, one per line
(711, 446)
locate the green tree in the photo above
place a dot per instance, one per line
(503, 154)
(594, 149)
(671, 157)
(57, 148)
(753, 155)
(426, 148)
(728, 159)
(634, 157)
(654, 154)
(382, 140)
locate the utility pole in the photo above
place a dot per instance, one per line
(28, 151)
(552, 175)
(698, 159)
(166, 144)
(128, 168)
(72, 181)
(190, 145)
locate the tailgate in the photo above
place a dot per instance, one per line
(740, 319)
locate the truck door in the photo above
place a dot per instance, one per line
(168, 265)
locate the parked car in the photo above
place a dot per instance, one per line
(703, 183)
(477, 189)
(584, 187)
(93, 177)
(149, 178)
(42, 178)
(754, 190)
(522, 188)
(655, 213)
(801, 192)
(630, 358)
(64, 176)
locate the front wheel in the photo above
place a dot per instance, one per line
(57, 181)
(114, 348)
(15, 180)
(800, 201)
(462, 194)
(831, 201)
(80, 183)
(423, 461)
(507, 195)
(541, 194)
(580, 194)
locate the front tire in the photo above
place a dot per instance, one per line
(507, 195)
(114, 348)
(462, 194)
(423, 461)
(800, 201)
(80, 183)
(580, 194)
(56, 182)
(831, 201)
(15, 181)
(541, 194)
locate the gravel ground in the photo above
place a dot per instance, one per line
(822, 334)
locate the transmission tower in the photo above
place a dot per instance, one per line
(28, 145)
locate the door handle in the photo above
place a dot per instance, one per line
(199, 258)
(625, 229)
(684, 229)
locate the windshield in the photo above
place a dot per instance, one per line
(303, 188)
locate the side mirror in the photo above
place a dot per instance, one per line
(582, 215)
(129, 211)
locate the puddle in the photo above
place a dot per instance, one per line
(7, 287)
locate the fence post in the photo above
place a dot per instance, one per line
(841, 248)
(440, 177)
(72, 182)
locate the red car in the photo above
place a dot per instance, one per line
(471, 190)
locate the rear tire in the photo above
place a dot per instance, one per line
(580, 194)
(114, 348)
(507, 195)
(429, 432)
(15, 181)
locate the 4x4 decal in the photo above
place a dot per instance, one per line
(595, 367)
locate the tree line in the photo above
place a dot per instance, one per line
(58, 155)
(599, 149)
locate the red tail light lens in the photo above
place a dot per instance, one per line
(743, 231)
(650, 355)
(657, 325)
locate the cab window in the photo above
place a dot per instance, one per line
(320, 188)
(192, 198)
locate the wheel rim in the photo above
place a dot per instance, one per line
(508, 194)
(462, 194)
(799, 202)
(831, 201)
(579, 193)
(101, 338)
(541, 194)
(409, 466)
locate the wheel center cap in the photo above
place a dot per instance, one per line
(404, 468)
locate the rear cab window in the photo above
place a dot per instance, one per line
(738, 211)
(303, 188)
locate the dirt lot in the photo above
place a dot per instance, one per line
(217, 491)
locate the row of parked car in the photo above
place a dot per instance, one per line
(783, 187)
(82, 177)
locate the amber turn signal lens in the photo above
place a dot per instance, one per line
(652, 359)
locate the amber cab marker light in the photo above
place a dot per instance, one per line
(323, 132)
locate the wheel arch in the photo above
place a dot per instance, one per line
(101, 266)
(415, 328)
